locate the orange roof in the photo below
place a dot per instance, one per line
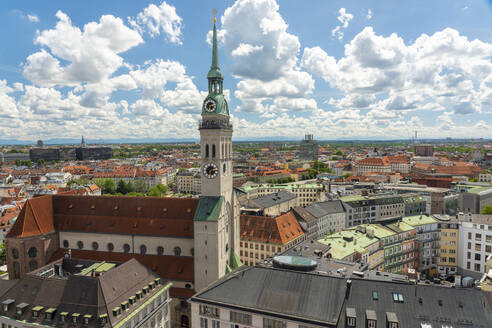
(35, 218)
(374, 161)
(279, 230)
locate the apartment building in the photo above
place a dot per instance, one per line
(401, 248)
(330, 216)
(307, 193)
(188, 182)
(475, 199)
(427, 229)
(371, 164)
(270, 204)
(448, 245)
(370, 209)
(475, 236)
(262, 237)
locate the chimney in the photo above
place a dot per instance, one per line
(347, 290)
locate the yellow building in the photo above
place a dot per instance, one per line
(448, 248)
(376, 260)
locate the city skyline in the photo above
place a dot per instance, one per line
(137, 70)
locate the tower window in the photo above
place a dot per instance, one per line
(213, 151)
(206, 151)
(223, 152)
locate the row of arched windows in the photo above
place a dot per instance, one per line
(32, 252)
(126, 248)
(226, 150)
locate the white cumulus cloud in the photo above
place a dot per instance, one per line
(344, 18)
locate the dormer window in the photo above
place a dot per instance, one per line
(103, 319)
(350, 317)
(87, 318)
(75, 317)
(49, 313)
(132, 300)
(371, 319)
(6, 304)
(392, 320)
(35, 311)
(116, 311)
(139, 295)
(21, 308)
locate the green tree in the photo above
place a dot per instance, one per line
(140, 186)
(121, 188)
(339, 153)
(41, 162)
(108, 186)
(3, 253)
(487, 209)
(17, 162)
(129, 187)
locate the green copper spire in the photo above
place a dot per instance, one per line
(214, 72)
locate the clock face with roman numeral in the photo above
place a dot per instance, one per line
(210, 170)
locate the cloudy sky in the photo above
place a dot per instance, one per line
(337, 69)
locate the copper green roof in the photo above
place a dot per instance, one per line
(418, 220)
(234, 261)
(209, 208)
(214, 72)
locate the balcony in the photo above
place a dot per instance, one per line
(214, 124)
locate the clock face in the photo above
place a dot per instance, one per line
(210, 105)
(210, 170)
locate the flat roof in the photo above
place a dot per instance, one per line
(418, 220)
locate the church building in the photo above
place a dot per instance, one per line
(189, 242)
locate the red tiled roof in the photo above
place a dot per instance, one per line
(168, 267)
(279, 230)
(35, 218)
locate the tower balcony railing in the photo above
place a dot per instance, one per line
(214, 124)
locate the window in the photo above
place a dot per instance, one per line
(203, 323)
(126, 248)
(65, 243)
(33, 265)
(477, 256)
(143, 249)
(397, 297)
(15, 253)
(177, 251)
(239, 317)
(452, 260)
(371, 323)
(469, 235)
(209, 311)
(206, 151)
(80, 244)
(375, 295)
(95, 246)
(478, 236)
(468, 255)
(215, 324)
(488, 238)
(213, 151)
(488, 249)
(477, 267)
(272, 323)
(32, 252)
(478, 247)
(110, 247)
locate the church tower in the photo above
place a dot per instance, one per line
(216, 226)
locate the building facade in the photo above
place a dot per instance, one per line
(475, 244)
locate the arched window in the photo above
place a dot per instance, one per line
(33, 265)
(213, 151)
(66, 243)
(185, 322)
(126, 248)
(15, 253)
(110, 247)
(80, 244)
(206, 150)
(16, 270)
(177, 251)
(32, 252)
(143, 249)
(95, 246)
(192, 252)
(160, 250)
(223, 153)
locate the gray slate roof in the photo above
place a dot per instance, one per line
(271, 199)
(475, 308)
(301, 296)
(325, 208)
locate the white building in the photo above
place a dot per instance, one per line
(475, 244)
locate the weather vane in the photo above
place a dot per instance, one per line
(214, 12)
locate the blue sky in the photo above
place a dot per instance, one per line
(336, 69)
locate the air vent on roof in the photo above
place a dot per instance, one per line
(164, 210)
(70, 206)
(93, 207)
(188, 210)
(115, 208)
(139, 209)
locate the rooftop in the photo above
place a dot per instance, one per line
(418, 220)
